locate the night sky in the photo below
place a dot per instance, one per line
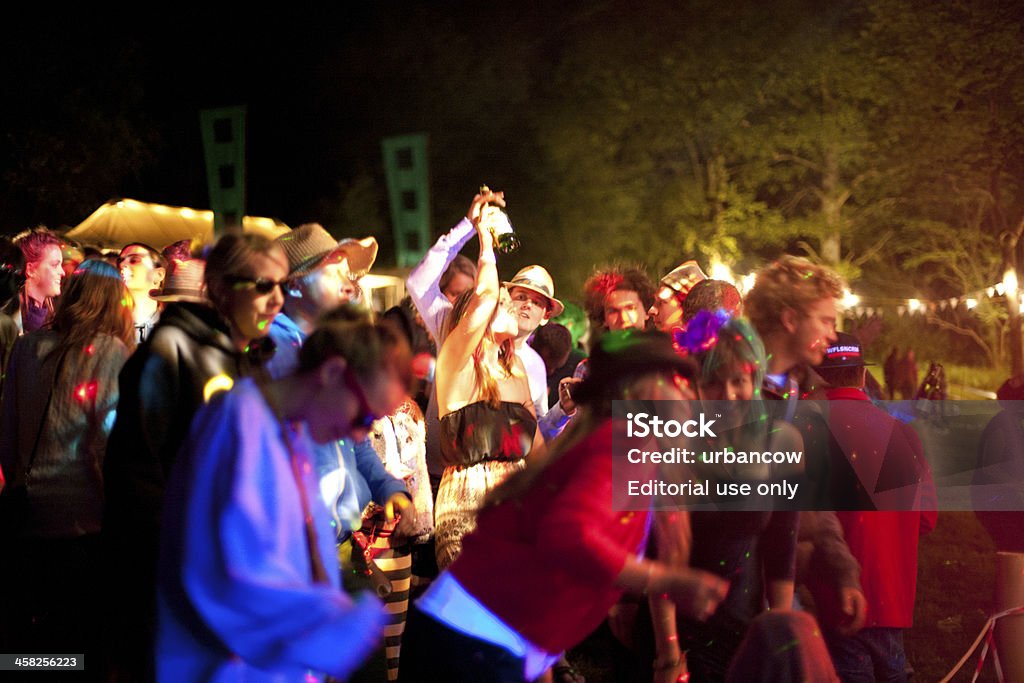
(158, 78)
(321, 89)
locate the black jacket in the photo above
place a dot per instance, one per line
(162, 386)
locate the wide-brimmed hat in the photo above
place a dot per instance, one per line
(183, 283)
(683, 277)
(309, 247)
(537, 279)
(845, 353)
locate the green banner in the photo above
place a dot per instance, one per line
(405, 165)
(224, 147)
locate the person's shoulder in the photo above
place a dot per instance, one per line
(283, 325)
(241, 403)
(8, 324)
(37, 343)
(531, 359)
(109, 342)
(785, 436)
(904, 430)
(176, 343)
(167, 335)
(105, 349)
(199, 322)
(166, 347)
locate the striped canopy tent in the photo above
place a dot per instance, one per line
(122, 221)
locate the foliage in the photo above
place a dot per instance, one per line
(885, 137)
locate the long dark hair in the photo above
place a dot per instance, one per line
(94, 301)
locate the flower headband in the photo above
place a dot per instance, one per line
(701, 333)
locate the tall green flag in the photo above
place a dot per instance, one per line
(224, 147)
(405, 165)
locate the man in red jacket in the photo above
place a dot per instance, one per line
(889, 464)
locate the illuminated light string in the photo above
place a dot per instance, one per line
(853, 303)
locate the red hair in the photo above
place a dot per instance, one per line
(617, 278)
(33, 243)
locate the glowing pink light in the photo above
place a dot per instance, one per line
(86, 391)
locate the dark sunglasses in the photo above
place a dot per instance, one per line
(260, 285)
(365, 417)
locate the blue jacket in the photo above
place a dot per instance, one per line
(237, 596)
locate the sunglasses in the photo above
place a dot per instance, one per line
(260, 285)
(365, 417)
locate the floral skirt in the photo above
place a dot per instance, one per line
(459, 496)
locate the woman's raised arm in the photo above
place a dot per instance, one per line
(468, 332)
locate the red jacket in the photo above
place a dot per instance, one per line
(884, 543)
(546, 564)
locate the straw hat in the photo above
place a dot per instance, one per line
(310, 247)
(184, 283)
(683, 277)
(537, 279)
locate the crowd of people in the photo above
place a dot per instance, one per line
(219, 464)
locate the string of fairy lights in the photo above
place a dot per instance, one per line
(876, 306)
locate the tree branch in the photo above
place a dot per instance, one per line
(806, 163)
(810, 250)
(871, 251)
(933, 319)
(1011, 238)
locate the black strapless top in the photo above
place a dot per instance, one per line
(479, 432)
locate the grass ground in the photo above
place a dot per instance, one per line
(956, 566)
(988, 379)
(964, 381)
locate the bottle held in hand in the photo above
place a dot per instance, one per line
(505, 239)
(496, 220)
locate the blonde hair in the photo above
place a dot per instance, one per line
(791, 282)
(231, 254)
